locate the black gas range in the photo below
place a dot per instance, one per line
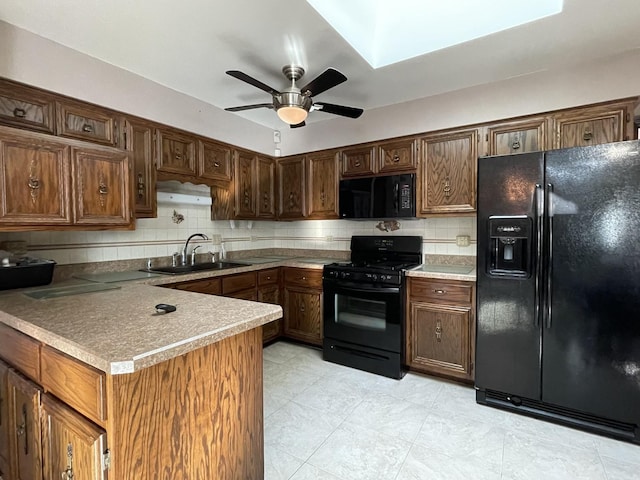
(364, 303)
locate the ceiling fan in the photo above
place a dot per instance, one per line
(293, 104)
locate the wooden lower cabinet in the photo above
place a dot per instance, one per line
(73, 447)
(4, 422)
(441, 327)
(25, 451)
(303, 304)
(269, 292)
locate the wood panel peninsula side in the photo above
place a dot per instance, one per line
(119, 391)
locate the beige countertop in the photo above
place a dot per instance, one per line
(445, 272)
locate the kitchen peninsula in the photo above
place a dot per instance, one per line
(125, 389)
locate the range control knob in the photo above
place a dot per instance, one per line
(344, 274)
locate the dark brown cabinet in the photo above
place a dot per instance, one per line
(87, 122)
(221, 202)
(101, 193)
(292, 188)
(139, 141)
(441, 327)
(25, 450)
(448, 172)
(214, 161)
(303, 304)
(358, 161)
(269, 292)
(176, 153)
(323, 185)
(245, 185)
(520, 136)
(4, 422)
(73, 447)
(266, 188)
(397, 156)
(25, 107)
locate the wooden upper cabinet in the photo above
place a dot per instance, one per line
(516, 137)
(34, 177)
(323, 185)
(245, 185)
(176, 152)
(397, 156)
(101, 187)
(72, 445)
(221, 208)
(448, 172)
(582, 127)
(25, 107)
(266, 188)
(139, 135)
(357, 162)
(86, 122)
(291, 187)
(214, 160)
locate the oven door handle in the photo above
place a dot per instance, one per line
(348, 289)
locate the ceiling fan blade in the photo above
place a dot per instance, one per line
(252, 81)
(342, 110)
(323, 82)
(298, 125)
(249, 107)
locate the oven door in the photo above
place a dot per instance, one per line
(365, 315)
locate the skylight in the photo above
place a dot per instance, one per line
(384, 32)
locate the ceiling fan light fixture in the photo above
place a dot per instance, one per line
(292, 114)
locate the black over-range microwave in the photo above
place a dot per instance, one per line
(378, 197)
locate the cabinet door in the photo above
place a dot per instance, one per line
(245, 185)
(140, 143)
(302, 315)
(270, 294)
(439, 339)
(24, 107)
(34, 176)
(266, 193)
(220, 202)
(176, 152)
(357, 162)
(73, 446)
(85, 122)
(323, 185)
(448, 172)
(101, 187)
(4, 422)
(516, 137)
(214, 161)
(398, 156)
(24, 427)
(291, 185)
(585, 127)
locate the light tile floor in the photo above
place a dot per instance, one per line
(328, 422)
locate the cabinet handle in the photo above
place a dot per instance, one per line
(246, 199)
(438, 331)
(439, 291)
(268, 278)
(140, 186)
(67, 474)
(357, 163)
(19, 112)
(291, 200)
(322, 197)
(178, 156)
(302, 308)
(447, 187)
(87, 128)
(266, 201)
(216, 164)
(396, 158)
(516, 143)
(103, 190)
(34, 183)
(588, 134)
(22, 429)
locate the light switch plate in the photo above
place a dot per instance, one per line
(462, 240)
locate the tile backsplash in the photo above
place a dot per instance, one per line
(161, 236)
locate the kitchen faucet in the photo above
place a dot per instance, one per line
(183, 254)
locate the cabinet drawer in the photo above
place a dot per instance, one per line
(212, 286)
(440, 291)
(268, 277)
(25, 108)
(303, 277)
(86, 124)
(241, 281)
(20, 351)
(77, 384)
(358, 161)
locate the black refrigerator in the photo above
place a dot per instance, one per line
(558, 286)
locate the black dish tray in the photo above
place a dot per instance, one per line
(26, 273)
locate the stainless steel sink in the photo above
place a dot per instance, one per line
(198, 267)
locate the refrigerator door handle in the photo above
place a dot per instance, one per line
(539, 199)
(550, 251)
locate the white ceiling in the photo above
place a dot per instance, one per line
(187, 46)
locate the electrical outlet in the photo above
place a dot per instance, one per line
(216, 239)
(329, 238)
(463, 240)
(254, 238)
